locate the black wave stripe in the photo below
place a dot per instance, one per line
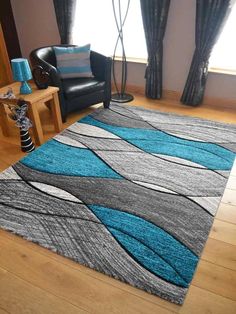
(183, 181)
(149, 188)
(125, 114)
(177, 215)
(229, 146)
(176, 119)
(166, 192)
(89, 136)
(58, 217)
(17, 194)
(223, 173)
(113, 118)
(127, 178)
(39, 190)
(144, 244)
(97, 143)
(49, 194)
(188, 132)
(225, 131)
(22, 223)
(89, 145)
(201, 136)
(34, 212)
(201, 149)
(91, 244)
(124, 111)
(33, 227)
(94, 142)
(152, 154)
(178, 163)
(173, 135)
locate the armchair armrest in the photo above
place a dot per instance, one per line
(37, 57)
(101, 66)
(55, 79)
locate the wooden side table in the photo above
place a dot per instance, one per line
(38, 96)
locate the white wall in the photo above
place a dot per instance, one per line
(36, 26)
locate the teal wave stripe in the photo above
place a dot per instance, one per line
(151, 246)
(209, 155)
(58, 158)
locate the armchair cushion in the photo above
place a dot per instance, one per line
(74, 88)
(73, 62)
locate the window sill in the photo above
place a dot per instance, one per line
(211, 69)
(222, 71)
(132, 59)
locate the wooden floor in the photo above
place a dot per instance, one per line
(36, 280)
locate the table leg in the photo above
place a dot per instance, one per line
(56, 112)
(37, 127)
(4, 120)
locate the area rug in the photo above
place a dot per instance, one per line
(129, 192)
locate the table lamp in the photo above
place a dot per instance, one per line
(22, 73)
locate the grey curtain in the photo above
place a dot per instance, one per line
(154, 16)
(210, 17)
(65, 10)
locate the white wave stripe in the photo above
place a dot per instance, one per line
(9, 174)
(54, 191)
(90, 130)
(181, 161)
(183, 136)
(154, 187)
(68, 141)
(209, 203)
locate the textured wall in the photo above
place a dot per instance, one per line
(36, 26)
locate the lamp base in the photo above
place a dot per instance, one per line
(25, 88)
(122, 97)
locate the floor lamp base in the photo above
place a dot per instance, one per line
(122, 97)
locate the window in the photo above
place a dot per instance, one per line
(224, 53)
(95, 24)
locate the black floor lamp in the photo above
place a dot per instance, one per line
(120, 95)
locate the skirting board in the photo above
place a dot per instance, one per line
(223, 103)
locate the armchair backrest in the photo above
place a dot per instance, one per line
(45, 56)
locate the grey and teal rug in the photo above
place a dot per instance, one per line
(129, 192)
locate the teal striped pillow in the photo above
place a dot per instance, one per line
(73, 62)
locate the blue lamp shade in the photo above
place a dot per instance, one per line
(21, 72)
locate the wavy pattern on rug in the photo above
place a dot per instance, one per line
(129, 192)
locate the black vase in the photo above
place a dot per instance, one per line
(41, 77)
(27, 145)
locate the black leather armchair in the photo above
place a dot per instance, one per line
(77, 93)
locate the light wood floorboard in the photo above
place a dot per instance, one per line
(223, 231)
(217, 279)
(36, 280)
(227, 213)
(220, 253)
(19, 296)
